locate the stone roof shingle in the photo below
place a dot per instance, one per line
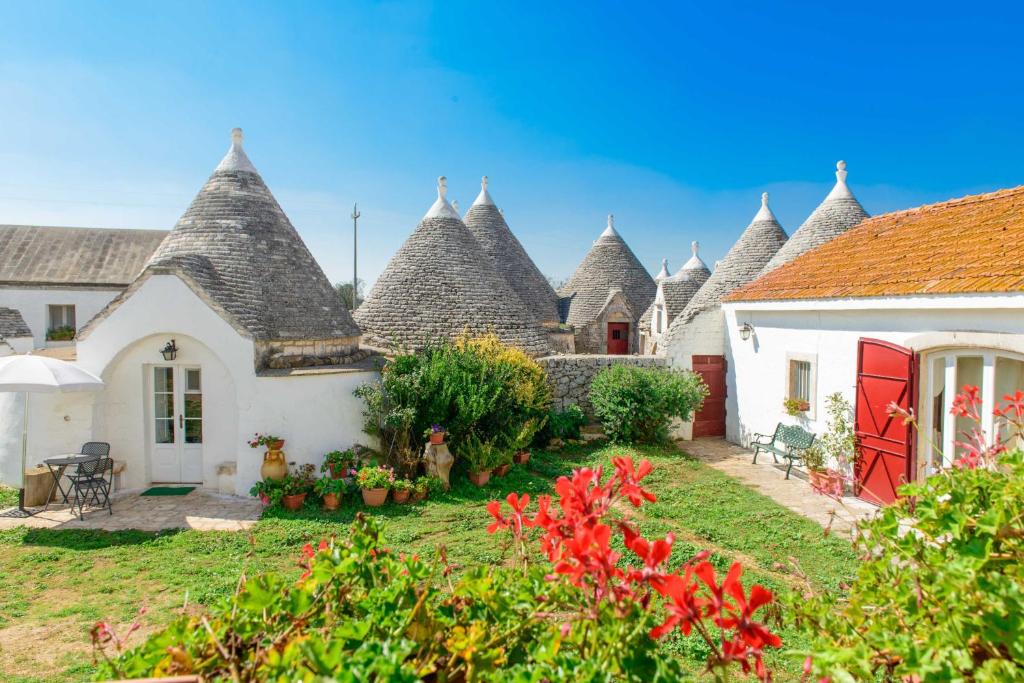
(610, 264)
(441, 284)
(12, 324)
(32, 255)
(961, 246)
(509, 258)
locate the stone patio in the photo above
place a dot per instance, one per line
(768, 478)
(200, 509)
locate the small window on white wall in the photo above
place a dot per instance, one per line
(61, 322)
(800, 380)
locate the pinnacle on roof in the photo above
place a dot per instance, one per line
(663, 273)
(236, 244)
(758, 243)
(441, 284)
(839, 212)
(484, 197)
(509, 258)
(441, 207)
(695, 262)
(609, 263)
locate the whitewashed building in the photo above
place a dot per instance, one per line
(230, 328)
(907, 307)
(674, 293)
(59, 278)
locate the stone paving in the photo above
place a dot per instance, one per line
(768, 478)
(199, 509)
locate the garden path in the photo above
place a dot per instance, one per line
(769, 478)
(199, 509)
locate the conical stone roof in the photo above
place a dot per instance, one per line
(838, 213)
(509, 258)
(441, 284)
(679, 289)
(758, 243)
(237, 245)
(609, 264)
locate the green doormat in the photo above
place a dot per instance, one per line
(167, 491)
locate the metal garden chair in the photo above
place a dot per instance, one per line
(92, 483)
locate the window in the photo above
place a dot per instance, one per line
(193, 406)
(61, 322)
(657, 319)
(163, 404)
(801, 377)
(616, 334)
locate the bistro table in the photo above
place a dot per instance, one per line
(57, 466)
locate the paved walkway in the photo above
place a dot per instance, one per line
(769, 479)
(199, 509)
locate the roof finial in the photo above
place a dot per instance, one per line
(236, 136)
(840, 190)
(455, 205)
(764, 199)
(694, 247)
(664, 263)
(483, 183)
(484, 197)
(442, 187)
(611, 221)
(235, 159)
(441, 207)
(764, 213)
(841, 171)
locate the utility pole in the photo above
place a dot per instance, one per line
(355, 253)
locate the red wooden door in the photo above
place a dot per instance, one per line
(710, 419)
(886, 373)
(618, 338)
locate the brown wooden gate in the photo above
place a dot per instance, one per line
(886, 373)
(710, 419)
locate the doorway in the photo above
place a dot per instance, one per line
(176, 430)
(618, 338)
(710, 419)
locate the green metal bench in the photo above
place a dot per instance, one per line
(789, 441)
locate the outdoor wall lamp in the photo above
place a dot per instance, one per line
(170, 351)
(746, 329)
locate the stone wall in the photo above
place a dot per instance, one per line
(570, 375)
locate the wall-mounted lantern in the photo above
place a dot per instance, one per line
(170, 351)
(746, 329)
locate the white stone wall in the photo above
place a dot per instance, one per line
(703, 335)
(570, 375)
(314, 410)
(32, 303)
(828, 332)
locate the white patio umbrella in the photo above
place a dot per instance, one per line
(41, 374)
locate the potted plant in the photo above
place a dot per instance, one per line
(838, 444)
(401, 490)
(480, 458)
(269, 491)
(795, 407)
(420, 489)
(295, 488)
(331, 490)
(523, 438)
(504, 460)
(435, 434)
(375, 482)
(339, 463)
(274, 464)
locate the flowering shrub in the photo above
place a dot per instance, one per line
(362, 612)
(380, 477)
(940, 591)
(637, 404)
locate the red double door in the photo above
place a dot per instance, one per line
(886, 374)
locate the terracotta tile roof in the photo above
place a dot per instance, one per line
(967, 245)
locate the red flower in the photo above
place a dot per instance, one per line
(629, 480)
(684, 607)
(739, 616)
(966, 404)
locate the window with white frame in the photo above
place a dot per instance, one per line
(61, 317)
(801, 378)
(657, 319)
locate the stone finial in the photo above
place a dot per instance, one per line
(611, 221)
(694, 247)
(441, 208)
(236, 136)
(235, 159)
(764, 199)
(840, 189)
(664, 263)
(442, 187)
(455, 205)
(764, 213)
(483, 183)
(484, 197)
(841, 171)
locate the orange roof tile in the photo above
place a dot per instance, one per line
(967, 245)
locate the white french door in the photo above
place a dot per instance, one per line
(177, 424)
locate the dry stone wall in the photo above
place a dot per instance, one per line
(570, 375)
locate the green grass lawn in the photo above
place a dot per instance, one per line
(54, 584)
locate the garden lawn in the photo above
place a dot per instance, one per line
(54, 584)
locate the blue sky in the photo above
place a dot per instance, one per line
(674, 117)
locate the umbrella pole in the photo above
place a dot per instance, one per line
(24, 454)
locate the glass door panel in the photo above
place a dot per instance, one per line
(163, 405)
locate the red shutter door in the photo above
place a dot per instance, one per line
(618, 338)
(710, 419)
(885, 374)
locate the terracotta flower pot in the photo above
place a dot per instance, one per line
(437, 438)
(418, 496)
(828, 482)
(337, 471)
(275, 445)
(401, 496)
(293, 502)
(480, 478)
(375, 497)
(274, 467)
(521, 458)
(502, 470)
(332, 501)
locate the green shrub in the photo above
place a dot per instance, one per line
(469, 386)
(940, 593)
(637, 404)
(565, 424)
